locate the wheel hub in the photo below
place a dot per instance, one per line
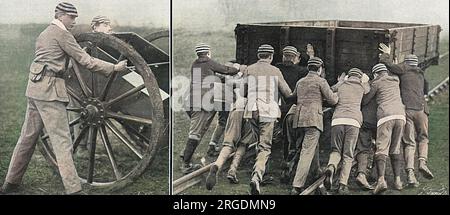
(93, 113)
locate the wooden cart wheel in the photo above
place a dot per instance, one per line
(102, 117)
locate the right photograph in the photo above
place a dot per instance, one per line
(309, 98)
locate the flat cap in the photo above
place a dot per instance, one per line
(412, 60)
(99, 19)
(202, 47)
(266, 48)
(290, 50)
(67, 8)
(315, 61)
(355, 71)
(379, 68)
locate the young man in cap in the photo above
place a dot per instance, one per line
(292, 72)
(47, 99)
(237, 136)
(201, 101)
(308, 121)
(413, 88)
(390, 123)
(345, 124)
(101, 24)
(264, 82)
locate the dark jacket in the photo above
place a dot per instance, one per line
(202, 68)
(413, 86)
(292, 73)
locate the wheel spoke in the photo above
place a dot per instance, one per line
(123, 138)
(75, 121)
(74, 109)
(108, 85)
(125, 95)
(133, 68)
(48, 148)
(73, 94)
(134, 131)
(92, 136)
(109, 151)
(80, 137)
(129, 118)
(94, 74)
(107, 54)
(84, 87)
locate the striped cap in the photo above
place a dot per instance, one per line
(67, 8)
(412, 60)
(315, 61)
(379, 68)
(290, 50)
(355, 71)
(266, 48)
(99, 19)
(202, 47)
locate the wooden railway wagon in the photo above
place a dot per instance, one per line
(341, 44)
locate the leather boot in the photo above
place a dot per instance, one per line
(411, 178)
(254, 188)
(380, 187)
(328, 182)
(423, 168)
(361, 180)
(211, 179)
(191, 145)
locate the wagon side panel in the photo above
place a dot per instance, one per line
(358, 48)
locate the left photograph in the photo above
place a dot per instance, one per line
(84, 102)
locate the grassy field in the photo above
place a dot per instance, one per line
(17, 52)
(223, 50)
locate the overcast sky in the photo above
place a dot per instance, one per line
(121, 12)
(212, 13)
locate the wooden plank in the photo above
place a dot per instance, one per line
(366, 24)
(330, 55)
(421, 31)
(372, 45)
(356, 51)
(404, 34)
(357, 35)
(307, 33)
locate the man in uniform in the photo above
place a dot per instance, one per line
(346, 121)
(47, 99)
(291, 72)
(390, 123)
(237, 136)
(101, 24)
(264, 81)
(413, 88)
(201, 103)
(308, 121)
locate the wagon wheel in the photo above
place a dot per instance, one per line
(160, 40)
(99, 122)
(157, 35)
